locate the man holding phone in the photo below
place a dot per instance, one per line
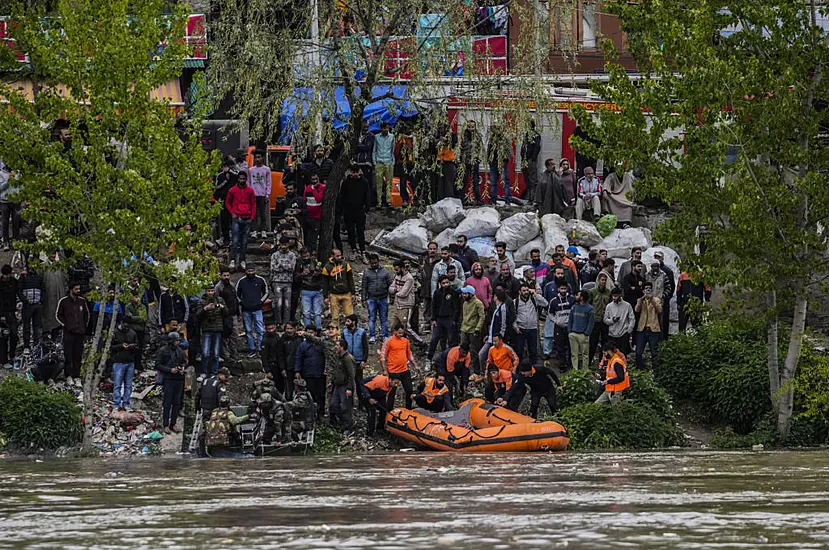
(649, 308)
(619, 318)
(171, 363)
(124, 344)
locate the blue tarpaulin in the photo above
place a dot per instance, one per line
(386, 110)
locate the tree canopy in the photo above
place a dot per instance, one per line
(727, 121)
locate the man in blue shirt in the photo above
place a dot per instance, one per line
(383, 157)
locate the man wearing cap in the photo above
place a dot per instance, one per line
(590, 191)
(170, 362)
(211, 391)
(472, 321)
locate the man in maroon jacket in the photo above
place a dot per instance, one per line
(241, 203)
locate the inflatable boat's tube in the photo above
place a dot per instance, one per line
(477, 427)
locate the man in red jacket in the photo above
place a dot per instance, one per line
(241, 203)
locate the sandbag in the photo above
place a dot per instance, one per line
(445, 213)
(446, 237)
(518, 230)
(410, 236)
(583, 233)
(479, 222)
(621, 241)
(553, 228)
(523, 253)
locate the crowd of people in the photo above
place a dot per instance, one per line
(476, 320)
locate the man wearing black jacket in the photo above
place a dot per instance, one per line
(287, 355)
(170, 362)
(252, 291)
(226, 290)
(73, 315)
(355, 200)
(365, 160)
(542, 382)
(670, 287)
(122, 352)
(530, 148)
(9, 295)
(30, 286)
(271, 352)
(446, 314)
(224, 181)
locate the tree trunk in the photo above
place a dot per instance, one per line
(771, 349)
(332, 188)
(786, 393)
(89, 371)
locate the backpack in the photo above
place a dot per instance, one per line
(217, 433)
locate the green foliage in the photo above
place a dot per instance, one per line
(721, 371)
(625, 425)
(31, 415)
(580, 386)
(811, 398)
(645, 391)
(327, 440)
(133, 175)
(726, 438)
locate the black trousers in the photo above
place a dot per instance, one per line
(376, 413)
(599, 335)
(666, 318)
(535, 401)
(444, 333)
(458, 380)
(9, 220)
(225, 223)
(355, 226)
(32, 323)
(622, 343)
(141, 339)
(316, 387)
(438, 404)
(72, 354)
(405, 378)
(173, 396)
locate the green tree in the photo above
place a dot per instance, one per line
(728, 121)
(262, 51)
(133, 181)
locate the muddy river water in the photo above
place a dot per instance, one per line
(421, 500)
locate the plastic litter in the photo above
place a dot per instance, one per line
(479, 222)
(518, 230)
(606, 225)
(484, 246)
(583, 233)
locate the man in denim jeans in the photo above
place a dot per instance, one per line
(211, 313)
(124, 344)
(241, 203)
(375, 294)
(311, 289)
(252, 291)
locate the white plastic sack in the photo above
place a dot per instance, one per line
(583, 233)
(479, 222)
(553, 229)
(621, 241)
(410, 236)
(523, 253)
(445, 213)
(518, 230)
(446, 237)
(484, 246)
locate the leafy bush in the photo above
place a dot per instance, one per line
(645, 391)
(625, 425)
(580, 386)
(32, 415)
(726, 438)
(721, 371)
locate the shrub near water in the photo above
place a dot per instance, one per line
(644, 419)
(31, 415)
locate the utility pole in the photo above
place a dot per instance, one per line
(315, 53)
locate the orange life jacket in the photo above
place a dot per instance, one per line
(617, 359)
(431, 390)
(379, 382)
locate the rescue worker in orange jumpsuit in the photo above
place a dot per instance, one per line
(454, 364)
(434, 395)
(616, 378)
(375, 391)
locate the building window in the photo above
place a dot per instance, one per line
(574, 24)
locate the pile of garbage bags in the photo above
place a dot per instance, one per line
(522, 232)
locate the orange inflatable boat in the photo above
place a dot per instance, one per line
(477, 427)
